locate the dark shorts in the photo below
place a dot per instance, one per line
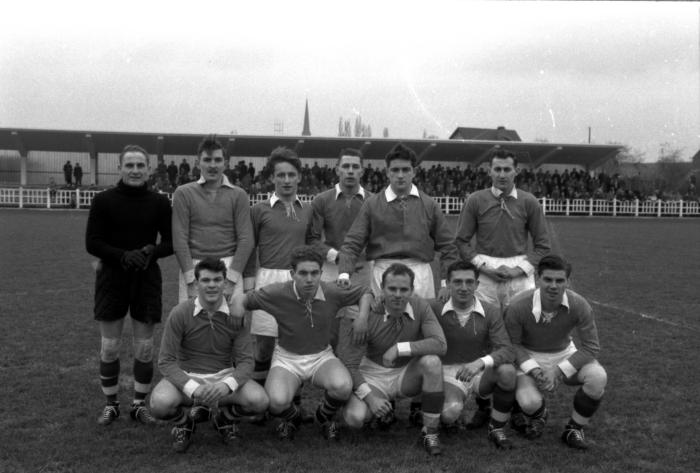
(137, 292)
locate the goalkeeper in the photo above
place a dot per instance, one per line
(122, 231)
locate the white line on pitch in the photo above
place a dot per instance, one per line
(646, 316)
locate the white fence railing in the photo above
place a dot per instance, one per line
(81, 199)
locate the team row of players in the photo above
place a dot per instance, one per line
(212, 218)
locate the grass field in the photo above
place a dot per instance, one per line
(642, 276)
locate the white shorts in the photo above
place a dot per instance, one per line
(449, 375)
(387, 380)
(262, 323)
(548, 361)
(423, 285)
(501, 293)
(182, 293)
(303, 366)
(211, 378)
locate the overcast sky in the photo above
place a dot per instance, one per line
(629, 70)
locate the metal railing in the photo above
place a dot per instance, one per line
(81, 199)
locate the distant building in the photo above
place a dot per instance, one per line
(307, 129)
(486, 134)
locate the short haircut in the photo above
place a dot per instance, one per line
(350, 152)
(398, 269)
(301, 254)
(555, 263)
(133, 149)
(210, 264)
(208, 145)
(462, 266)
(282, 154)
(401, 151)
(503, 154)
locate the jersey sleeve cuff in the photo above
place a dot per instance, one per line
(189, 276)
(231, 383)
(567, 368)
(363, 390)
(404, 348)
(331, 255)
(344, 276)
(190, 387)
(529, 365)
(488, 361)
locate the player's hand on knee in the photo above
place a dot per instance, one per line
(378, 405)
(390, 356)
(469, 370)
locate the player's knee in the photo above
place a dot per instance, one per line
(430, 364)
(451, 411)
(278, 402)
(529, 399)
(595, 380)
(163, 402)
(505, 377)
(258, 402)
(143, 349)
(109, 349)
(354, 416)
(340, 388)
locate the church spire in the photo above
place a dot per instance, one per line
(307, 129)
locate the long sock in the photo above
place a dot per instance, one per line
(584, 408)
(109, 378)
(502, 404)
(538, 413)
(483, 403)
(432, 408)
(143, 375)
(326, 411)
(260, 371)
(290, 414)
(236, 411)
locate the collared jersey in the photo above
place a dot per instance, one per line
(333, 215)
(304, 326)
(418, 327)
(212, 224)
(196, 343)
(529, 330)
(483, 334)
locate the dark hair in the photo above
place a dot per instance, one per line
(305, 253)
(210, 264)
(401, 151)
(398, 269)
(553, 262)
(208, 145)
(132, 149)
(282, 154)
(462, 266)
(504, 154)
(350, 152)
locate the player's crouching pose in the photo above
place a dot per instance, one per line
(200, 340)
(304, 309)
(400, 357)
(540, 323)
(479, 358)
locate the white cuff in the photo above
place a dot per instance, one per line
(567, 368)
(331, 255)
(363, 390)
(343, 276)
(189, 276)
(529, 365)
(528, 268)
(488, 361)
(478, 261)
(190, 387)
(443, 283)
(231, 383)
(404, 348)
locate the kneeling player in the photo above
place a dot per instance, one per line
(400, 357)
(472, 329)
(304, 309)
(540, 323)
(199, 341)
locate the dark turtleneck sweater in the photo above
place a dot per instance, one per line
(128, 218)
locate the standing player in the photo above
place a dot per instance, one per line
(501, 218)
(334, 211)
(122, 231)
(400, 358)
(540, 323)
(304, 309)
(280, 224)
(479, 356)
(206, 358)
(401, 224)
(211, 218)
